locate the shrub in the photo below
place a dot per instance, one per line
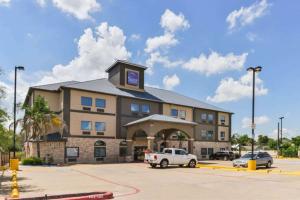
(291, 151)
(32, 161)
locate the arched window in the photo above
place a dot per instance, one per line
(123, 148)
(99, 149)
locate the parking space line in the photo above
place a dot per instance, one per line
(135, 190)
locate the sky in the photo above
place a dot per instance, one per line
(198, 48)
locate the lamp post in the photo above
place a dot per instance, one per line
(281, 132)
(253, 70)
(15, 105)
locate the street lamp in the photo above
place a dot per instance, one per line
(15, 105)
(281, 132)
(253, 70)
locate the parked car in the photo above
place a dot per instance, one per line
(171, 156)
(223, 155)
(262, 159)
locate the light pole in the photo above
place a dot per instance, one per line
(15, 105)
(281, 132)
(253, 70)
(278, 143)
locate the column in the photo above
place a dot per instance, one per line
(150, 143)
(129, 147)
(191, 145)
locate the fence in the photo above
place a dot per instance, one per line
(4, 158)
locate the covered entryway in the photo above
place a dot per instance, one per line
(159, 131)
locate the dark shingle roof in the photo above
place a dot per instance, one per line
(125, 62)
(150, 93)
(161, 118)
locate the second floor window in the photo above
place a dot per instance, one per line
(222, 135)
(210, 118)
(210, 135)
(222, 119)
(203, 117)
(100, 126)
(100, 103)
(174, 112)
(86, 101)
(182, 114)
(86, 125)
(146, 108)
(134, 107)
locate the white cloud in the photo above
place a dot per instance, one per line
(251, 36)
(96, 51)
(246, 15)
(157, 58)
(164, 41)
(4, 2)
(233, 90)
(80, 9)
(134, 37)
(41, 3)
(172, 22)
(170, 82)
(286, 133)
(260, 120)
(214, 63)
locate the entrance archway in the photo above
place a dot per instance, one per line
(139, 139)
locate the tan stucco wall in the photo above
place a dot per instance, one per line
(215, 145)
(226, 130)
(51, 97)
(76, 100)
(76, 118)
(189, 111)
(226, 118)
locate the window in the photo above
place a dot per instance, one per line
(99, 149)
(222, 119)
(210, 118)
(134, 107)
(210, 135)
(123, 148)
(210, 151)
(177, 152)
(132, 78)
(222, 135)
(174, 112)
(100, 103)
(145, 108)
(86, 101)
(100, 126)
(203, 117)
(168, 151)
(72, 152)
(86, 125)
(203, 151)
(222, 149)
(182, 114)
(203, 134)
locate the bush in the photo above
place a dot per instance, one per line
(291, 151)
(32, 161)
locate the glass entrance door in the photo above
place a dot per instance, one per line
(139, 154)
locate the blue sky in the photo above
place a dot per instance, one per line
(200, 49)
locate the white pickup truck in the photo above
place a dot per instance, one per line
(171, 156)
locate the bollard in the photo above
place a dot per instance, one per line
(14, 164)
(252, 165)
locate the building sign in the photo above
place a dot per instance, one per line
(132, 78)
(72, 151)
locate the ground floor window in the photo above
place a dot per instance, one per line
(72, 152)
(123, 148)
(207, 151)
(99, 149)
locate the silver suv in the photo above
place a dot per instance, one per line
(262, 159)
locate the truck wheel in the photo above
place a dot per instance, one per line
(153, 165)
(180, 165)
(164, 163)
(192, 164)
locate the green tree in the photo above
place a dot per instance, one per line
(272, 144)
(240, 140)
(263, 140)
(296, 141)
(38, 121)
(180, 137)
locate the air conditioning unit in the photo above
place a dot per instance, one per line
(86, 108)
(100, 110)
(86, 132)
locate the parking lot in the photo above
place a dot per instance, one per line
(139, 181)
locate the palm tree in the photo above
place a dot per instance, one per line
(180, 137)
(38, 121)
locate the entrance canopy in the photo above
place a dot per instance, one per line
(153, 124)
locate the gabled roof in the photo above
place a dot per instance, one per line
(125, 62)
(161, 118)
(150, 93)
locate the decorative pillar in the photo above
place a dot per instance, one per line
(129, 147)
(191, 145)
(150, 143)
